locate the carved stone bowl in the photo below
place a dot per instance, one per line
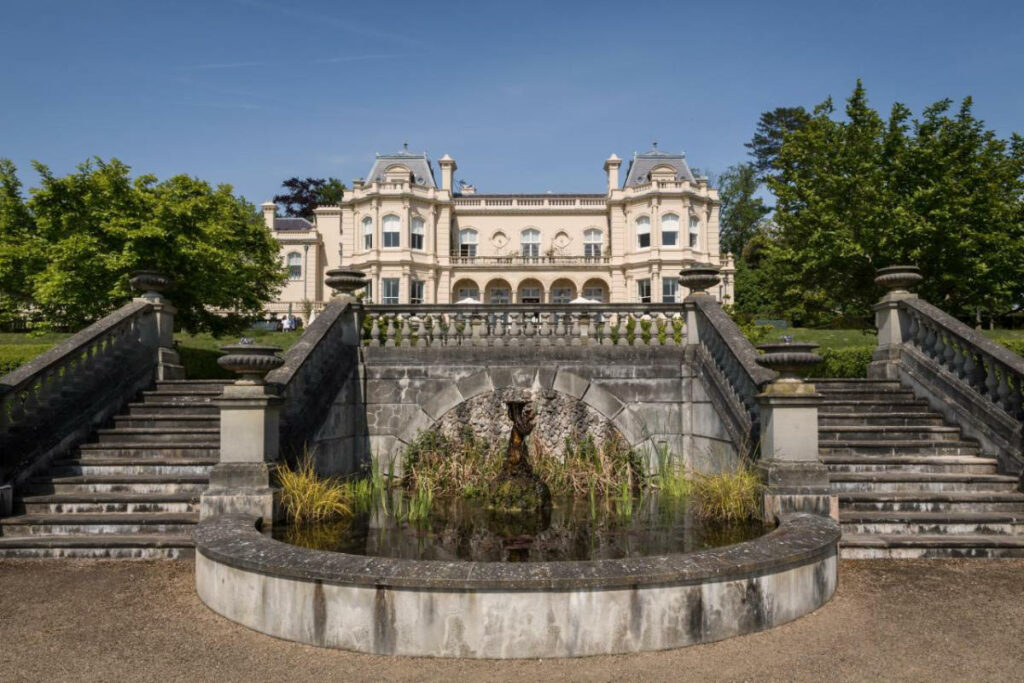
(251, 361)
(151, 282)
(898, 278)
(789, 358)
(345, 281)
(698, 277)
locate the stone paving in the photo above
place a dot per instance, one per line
(890, 620)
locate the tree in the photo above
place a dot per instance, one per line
(772, 128)
(304, 195)
(854, 195)
(92, 228)
(742, 211)
(20, 252)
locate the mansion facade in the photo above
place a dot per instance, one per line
(419, 241)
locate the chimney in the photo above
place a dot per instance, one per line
(611, 166)
(269, 211)
(448, 167)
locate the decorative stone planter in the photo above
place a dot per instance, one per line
(251, 361)
(344, 281)
(699, 277)
(788, 358)
(151, 283)
(898, 278)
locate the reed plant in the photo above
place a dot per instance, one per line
(307, 497)
(728, 497)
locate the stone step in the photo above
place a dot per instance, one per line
(173, 408)
(830, 433)
(115, 523)
(131, 465)
(831, 384)
(149, 450)
(931, 501)
(868, 395)
(868, 546)
(167, 421)
(132, 546)
(178, 397)
(911, 463)
(932, 523)
(897, 447)
(871, 406)
(201, 435)
(192, 386)
(108, 502)
(127, 483)
(893, 419)
(843, 482)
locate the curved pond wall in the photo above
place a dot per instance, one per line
(498, 610)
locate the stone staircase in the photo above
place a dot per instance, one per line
(910, 485)
(132, 492)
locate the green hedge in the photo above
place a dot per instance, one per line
(851, 361)
(13, 356)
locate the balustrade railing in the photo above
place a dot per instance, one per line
(433, 325)
(987, 367)
(520, 260)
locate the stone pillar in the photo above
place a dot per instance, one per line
(345, 283)
(696, 277)
(790, 464)
(892, 324)
(152, 284)
(448, 167)
(249, 436)
(611, 167)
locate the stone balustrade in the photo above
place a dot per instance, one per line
(434, 325)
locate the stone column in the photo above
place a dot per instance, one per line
(249, 436)
(152, 284)
(892, 324)
(790, 464)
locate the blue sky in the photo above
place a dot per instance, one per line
(527, 96)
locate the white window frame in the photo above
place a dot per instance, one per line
(418, 234)
(561, 295)
(467, 243)
(643, 286)
(694, 232)
(391, 231)
(367, 233)
(593, 243)
(467, 292)
(529, 243)
(416, 290)
(643, 232)
(294, 262)
(671, 219)
(670, 290)
(388, 285)
(499, 295)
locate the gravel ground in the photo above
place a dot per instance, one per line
(890, 620)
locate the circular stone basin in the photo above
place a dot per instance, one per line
(463, 608)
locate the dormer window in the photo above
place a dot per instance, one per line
(397, 173)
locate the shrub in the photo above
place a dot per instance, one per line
(308, 497)
(851, 361)
(727, 497)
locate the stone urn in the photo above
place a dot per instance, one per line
(697, 277)
(151, 283)
(251, 361)
(789, 359)
(898, 278)
(344, 281)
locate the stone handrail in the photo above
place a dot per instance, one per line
(314, 368)
(74, 385)
(433, 325)
(732, 361)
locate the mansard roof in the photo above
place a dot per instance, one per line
(641, 165)
(292, 225)
(418, 164)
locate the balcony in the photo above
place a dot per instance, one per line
(528, 261)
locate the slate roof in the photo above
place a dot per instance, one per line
(418, 164)
(292, 225)
(641, 164)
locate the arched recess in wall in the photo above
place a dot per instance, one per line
(465, 288)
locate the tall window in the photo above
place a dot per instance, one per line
(416, 234)
(468, 293)
(295, 266)
(369, 291)
(499, 295)
(593, 240)
(669, 230)
(643, 232)
(643, 291)
(389, 287)
(595, 294)
(367, 233)
(529, 295)
(694, 232)
(392, 232)
(467, 243)
(416, 291)
(530, 240)
(561, 295)
(669, 290)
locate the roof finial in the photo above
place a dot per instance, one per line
(655, 143)
(405, 147)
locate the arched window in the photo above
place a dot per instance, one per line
(295, 266)
(467, 243)
(593, 240)
(367, 233)
(670, 230)
(530, 241)
(392, 231)
(416, 238)
(694, 232)
(643, 232)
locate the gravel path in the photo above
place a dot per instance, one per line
(139, 621)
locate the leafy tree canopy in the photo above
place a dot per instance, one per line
(941, 191)
(742, 212)
(305, 194)
(68, 251)
(772, 128)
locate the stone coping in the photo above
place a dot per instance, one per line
(468, 354)
(1011, 360)
(800, 539)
